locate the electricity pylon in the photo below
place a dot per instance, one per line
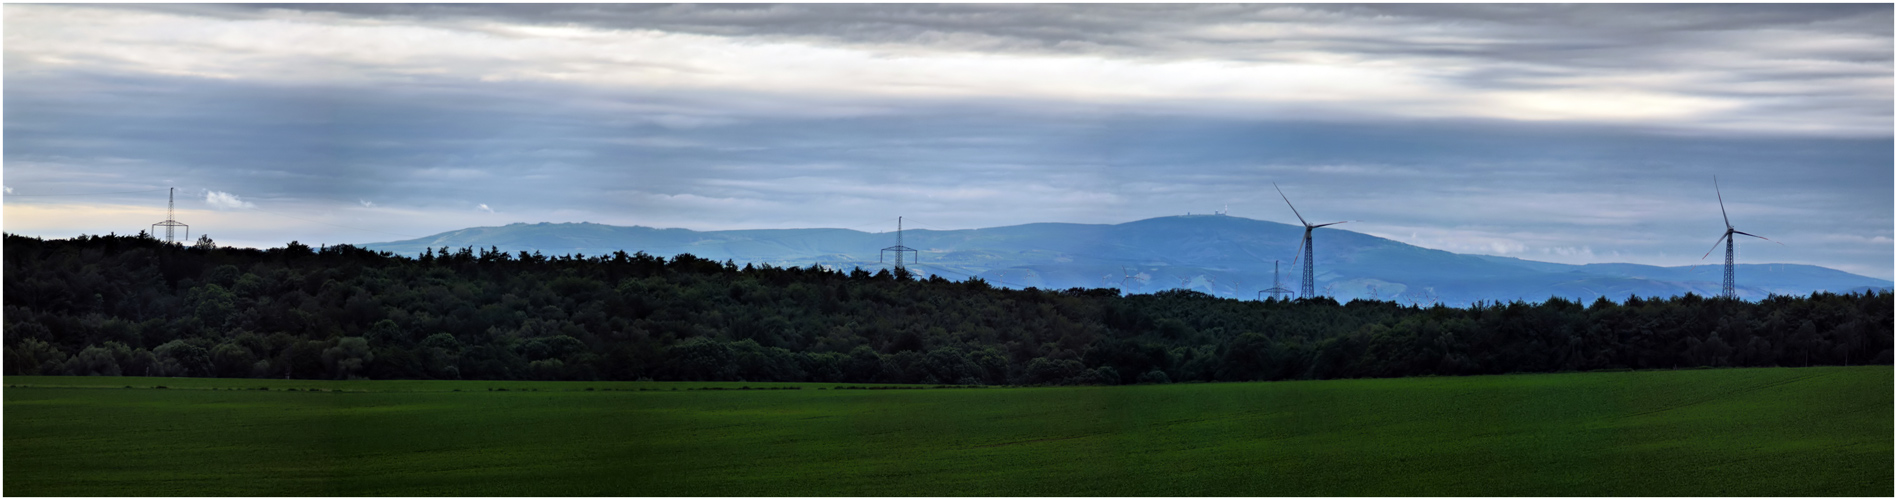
(171, 223)
(899, 249)
(1277, 290)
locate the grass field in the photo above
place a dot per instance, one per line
(1775, 431)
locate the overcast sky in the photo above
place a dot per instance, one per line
(1575, 134)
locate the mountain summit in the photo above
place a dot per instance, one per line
(1217, 254)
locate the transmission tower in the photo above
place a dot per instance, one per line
(1277, 289)
(171, 220)
(899, 249)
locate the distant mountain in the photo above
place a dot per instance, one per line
(1217, 254)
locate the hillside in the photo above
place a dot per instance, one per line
(1220, 255)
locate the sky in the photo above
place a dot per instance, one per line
(1562, 133)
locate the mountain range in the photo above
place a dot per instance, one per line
(1221, 255)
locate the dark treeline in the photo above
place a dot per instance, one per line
(132, 305)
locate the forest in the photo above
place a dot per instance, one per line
(134, 305)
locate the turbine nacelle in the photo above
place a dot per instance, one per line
(1727, 289)
(1728, 220)
(1304, 247)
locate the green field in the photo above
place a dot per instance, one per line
(1772, 431)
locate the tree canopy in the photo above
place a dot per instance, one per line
(132, 305)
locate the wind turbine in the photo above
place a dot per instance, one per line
(1304, 249)
(1128, 275)
(1726, 290)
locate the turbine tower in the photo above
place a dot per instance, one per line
(899, 249)
(1726, 289)
(1276, 289)
(1304, 249)
(1128, 275)
(171, 219)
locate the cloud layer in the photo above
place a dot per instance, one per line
(1568, 133)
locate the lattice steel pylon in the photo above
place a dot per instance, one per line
(899, 249)
(1726, 288)
(171, 223)
(1277, 289)
(1308, 288)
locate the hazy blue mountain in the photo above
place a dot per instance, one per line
(1222, 255)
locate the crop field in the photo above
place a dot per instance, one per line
(1753, 432)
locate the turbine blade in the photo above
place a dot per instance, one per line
(1757, 236)
(1722, 203)
(1300, 254)
(1722, 239)
(1330, 224)
(1287, 201)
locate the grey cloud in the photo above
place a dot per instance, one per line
(1059, 27)
(706, 160)
(1828, 66)
(1574, 36)
(967, 166)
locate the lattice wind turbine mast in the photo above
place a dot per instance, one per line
(171, 219)
(1726, 288)
(1309, 286)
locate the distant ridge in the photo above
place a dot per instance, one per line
(1221, 255)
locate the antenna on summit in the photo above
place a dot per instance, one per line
(171, 223)
(899, 249)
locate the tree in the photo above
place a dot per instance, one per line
(348, 358)
(32, 356)
(387, 333)
(701, 358)
(1047, 371)
(231, 360)
(864, 365)
(182, 358)
(442, 355)
(548, 369)
(86, 304)
(94, 361)
(212, 304)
